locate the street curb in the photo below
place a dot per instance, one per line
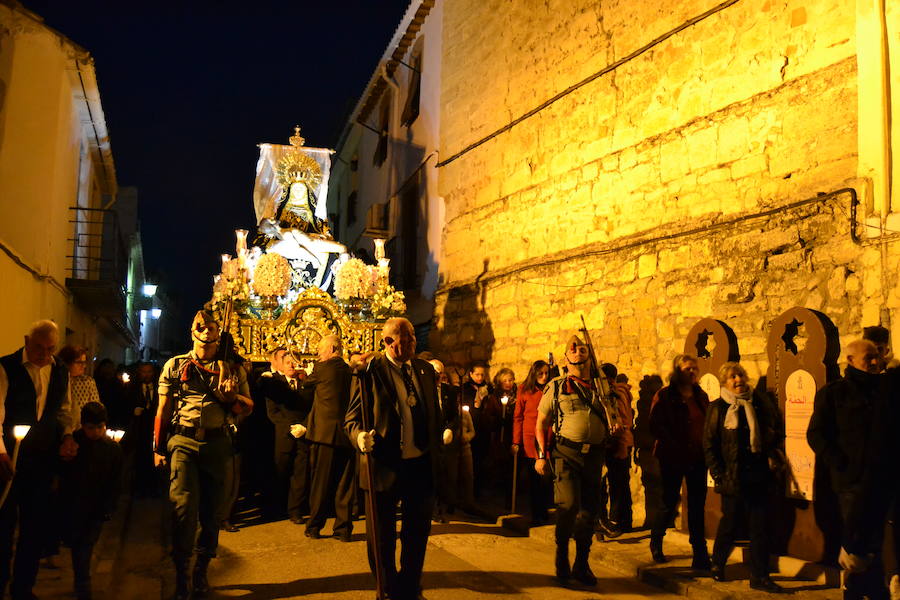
(678, 578)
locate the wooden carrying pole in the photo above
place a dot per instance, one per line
(371, 512)
(515, 462)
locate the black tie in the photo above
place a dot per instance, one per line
(420, 425)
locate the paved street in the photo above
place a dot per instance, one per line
(272, 561)
(464, 561)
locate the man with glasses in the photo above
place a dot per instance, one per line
(404, 441)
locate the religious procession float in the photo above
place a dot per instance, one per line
(294, 283)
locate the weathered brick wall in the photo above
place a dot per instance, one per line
(613, 201)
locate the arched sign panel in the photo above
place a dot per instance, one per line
(803, 347)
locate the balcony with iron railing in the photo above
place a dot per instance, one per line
(97, 273)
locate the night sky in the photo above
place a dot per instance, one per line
(189, 89)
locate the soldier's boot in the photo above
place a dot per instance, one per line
(182, 590)
(201, 583)
(563, 571)
(581, 570)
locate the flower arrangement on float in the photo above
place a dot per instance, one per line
(388, 302)
(364, 288)
(354, 280)
(231, 284)
(272, 276)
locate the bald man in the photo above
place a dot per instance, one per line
(404, 438)
(333, 477)
(841, 431)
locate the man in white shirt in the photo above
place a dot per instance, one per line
(400, 429)
(34, 391)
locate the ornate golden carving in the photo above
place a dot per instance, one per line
(297, 166)
(313, 315)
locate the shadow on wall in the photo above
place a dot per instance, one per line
(467, 333)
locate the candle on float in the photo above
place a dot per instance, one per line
(241, 245)
(379, 249)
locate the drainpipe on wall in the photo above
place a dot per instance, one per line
(874, 133)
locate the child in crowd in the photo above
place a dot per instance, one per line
(89, 486)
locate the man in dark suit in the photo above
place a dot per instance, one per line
(34, 391)
(334, 465)
(288, 412)
(404, 442)
(141, 394)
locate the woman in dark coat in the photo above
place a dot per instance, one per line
(677, 416)
(740, 443)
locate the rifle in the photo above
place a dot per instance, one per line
(371, 512)
(607, 396)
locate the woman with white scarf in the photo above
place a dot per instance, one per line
(739, 443)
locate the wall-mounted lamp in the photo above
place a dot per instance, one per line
(149, 289)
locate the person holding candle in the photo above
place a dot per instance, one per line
(504, 396)
(34, 391)
(484, 409)
(89, 487)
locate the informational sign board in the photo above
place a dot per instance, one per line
(800, 395)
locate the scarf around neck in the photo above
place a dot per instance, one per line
(732, 418)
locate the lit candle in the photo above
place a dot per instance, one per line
(466, 407)
(379, 249)
(504, 400)
(225, 259)
(19, 433)
(241, 235)
(125, 377)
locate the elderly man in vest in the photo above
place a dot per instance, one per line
(34, 391)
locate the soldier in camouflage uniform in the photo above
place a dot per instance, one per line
(198, 395)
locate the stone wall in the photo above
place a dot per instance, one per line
(679, 185)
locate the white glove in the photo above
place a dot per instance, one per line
(448, 436)
(853, 563)
(298, 430)
(366, 440)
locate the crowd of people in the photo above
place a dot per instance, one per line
(432, 439)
